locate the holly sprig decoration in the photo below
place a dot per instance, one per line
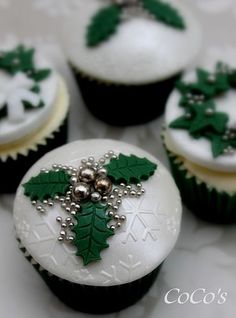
(106, 21)
(90, 196)
(201, 118)
(20, 60)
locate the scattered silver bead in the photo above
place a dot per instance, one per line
(112, 227)
(116, 217)
(110, 213)
(59, 219)
(123, 218)
(33, 202)
(73, 180)
(70, 238)
(60, 238)
(118, 224)
(63, 225)
(133, 193)
(62, 233)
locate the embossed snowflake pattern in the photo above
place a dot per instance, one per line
(124, 271)
(55, 8)
(147, 218)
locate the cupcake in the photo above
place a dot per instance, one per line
(33, 111)
(200, 138)
(128, 54)
(92, 230)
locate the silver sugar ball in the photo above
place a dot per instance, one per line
(96, 197)
(122, 217)
(59, 219)
(118, 224)
(116, 217)
(110, 213)
(103, 185)
(81, 191)
(102, 172)
(87, 175)
(60, 238)
(73, 180)
(112, 227)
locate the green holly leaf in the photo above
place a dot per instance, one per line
(203, 122)
(103, 25)
(164, 12)
(130, 169)
(91, 231)
(47, 185)
(18, 59)
(181, 123)
(40, 75)
(218, 145)
(215, 83)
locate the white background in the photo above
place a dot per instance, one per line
(205, 255)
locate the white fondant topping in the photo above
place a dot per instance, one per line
(145, 240)
(199, 150)
(141, 50)
(13, 89)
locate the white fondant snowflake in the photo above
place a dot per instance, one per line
(13, 91)
(55, 7)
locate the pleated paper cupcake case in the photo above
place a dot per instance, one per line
(108, 101)
(203, 200)
(13, 167)
(93, 299)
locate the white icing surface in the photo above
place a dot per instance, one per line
(199, 150)
(27, 121)
(141, 51)
(144, 241)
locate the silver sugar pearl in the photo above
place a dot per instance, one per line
(60, 238)
(62, 233)
(81, 191)
(59, 219)
(110, 213)
(102, 172)
(103, 185)
(63, 225)
(68, 220)
(73, 180)
(122, 217)
(118, 224)
(96, 197)
(87, 175)
(116, 217)
(70, 238)
(112, 227)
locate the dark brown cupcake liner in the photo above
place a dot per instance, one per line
(94, 299)
(203, 200)
(124, 105)
(13, 170)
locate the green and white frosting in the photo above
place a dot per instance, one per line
(68, 231)
(135, 49)
(28, 88)
(201, 118)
